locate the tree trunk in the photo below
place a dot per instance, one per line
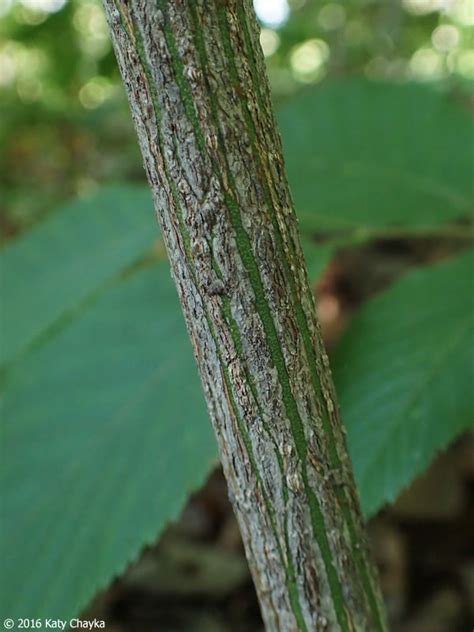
(197, 86)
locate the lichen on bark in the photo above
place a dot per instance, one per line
(195, 78)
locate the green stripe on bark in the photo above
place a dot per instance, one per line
(300, 315)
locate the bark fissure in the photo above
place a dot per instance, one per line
(201, 106)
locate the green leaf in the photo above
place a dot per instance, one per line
(50, 270)
(361, 155)
(317, 257)
(104, 435)
(404, 375)
(104, 428)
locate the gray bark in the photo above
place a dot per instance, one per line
(197, 87)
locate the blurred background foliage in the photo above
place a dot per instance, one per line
(64, 125)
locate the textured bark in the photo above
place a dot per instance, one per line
(196, 82)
